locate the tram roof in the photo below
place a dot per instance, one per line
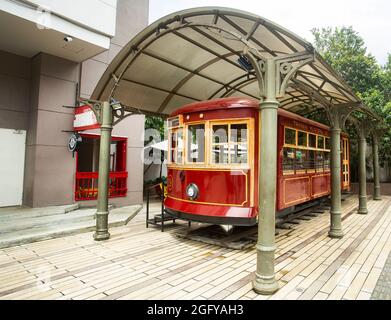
(192, 55)
(216, 104)
(236, 103)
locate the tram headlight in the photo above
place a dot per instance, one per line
(192, 191)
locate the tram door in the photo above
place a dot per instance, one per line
(345, 163)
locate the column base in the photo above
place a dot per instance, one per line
(336, 234)
(102, 231)
(362, 211)
(265, 286)
(377, 193)
(99, 236)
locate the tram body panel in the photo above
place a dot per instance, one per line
(227, 193)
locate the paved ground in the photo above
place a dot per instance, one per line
(140, 263)
(383, 286)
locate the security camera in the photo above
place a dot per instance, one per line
(68, 38)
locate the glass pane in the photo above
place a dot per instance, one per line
(300, 159)
(327, 160)
(180, 138)
(320, 142)
(290, 136)
(327, 143)
(173, 155)
(238, 132)
(179, 156)
(312, 140)
(196, 143)
(220, 134)
(302, 139)
(288, 162)
(310, 163)
(173, 140)
(173, 122)
(319, 161)
(238, 153)
(220, 154)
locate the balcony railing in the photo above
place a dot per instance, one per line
(87, 185)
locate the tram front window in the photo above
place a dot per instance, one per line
(196, 143)
(220, 144)
(238, 143)
(232, 150)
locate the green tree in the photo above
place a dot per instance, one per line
(344, 49)
(154, 122)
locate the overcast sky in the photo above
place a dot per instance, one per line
(371, 18)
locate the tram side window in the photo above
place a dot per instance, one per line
(288, 163)
(319, 161)
(327, 161)
(302, 139)
(320, 142)
(290, 136)
(327, 144)
(301, 159)
(310, 163)
(196, 143)
(312, 140)
(176, 146)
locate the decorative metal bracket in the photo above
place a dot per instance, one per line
(364, 127)
(285, 68)
(378, 131)
(313, 94)
(259, 64)
(338, 114)
(118, 113)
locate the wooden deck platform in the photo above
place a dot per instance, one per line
(140, 263)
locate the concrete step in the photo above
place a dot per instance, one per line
(26, 212)
(13, 224)
(117, 217)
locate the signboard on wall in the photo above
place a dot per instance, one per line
(85, 119)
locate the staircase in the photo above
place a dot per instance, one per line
(20, 225)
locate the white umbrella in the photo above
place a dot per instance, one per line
(163, 145)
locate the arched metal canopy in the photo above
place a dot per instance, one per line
(192, 55)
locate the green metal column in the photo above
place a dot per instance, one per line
(336, 208)
(362, 175)
(265, 282)
(102, 214)
(376, 177)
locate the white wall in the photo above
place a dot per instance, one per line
(12, 146)
(96, 14)
(92, 21)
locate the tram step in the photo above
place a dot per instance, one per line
(319, 211)
(286, 226)
(311, 214)
(158, 218)
(304, 218)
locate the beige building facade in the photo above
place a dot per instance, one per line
(40, 76)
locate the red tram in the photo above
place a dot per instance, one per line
(213, 162)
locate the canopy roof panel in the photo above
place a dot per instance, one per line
(192, 55)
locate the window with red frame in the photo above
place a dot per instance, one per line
(87, 168)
